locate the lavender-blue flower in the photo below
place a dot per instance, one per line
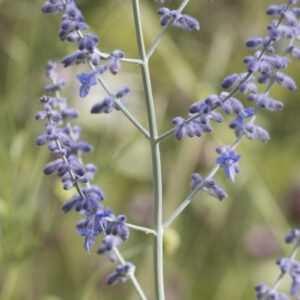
(213, 189)
(88, 80)
(293, 236)
(229, 161)
(114, 62)
(265, 293)
(121, 273)
(276, 10)
(292, 268)
(230, 81)
(110, 242)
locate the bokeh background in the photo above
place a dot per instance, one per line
(215, 251)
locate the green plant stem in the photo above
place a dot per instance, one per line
(124, 59)
(136, 227)
(131, 275)
(156, 163)
(164, 30)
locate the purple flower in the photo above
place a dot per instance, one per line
(292, 268)
(121, 273)
(238, 124)
(230, 81)
(118, 227)
(114, 63)
(229, 161)
(293, 1)
(252, 131)
(295, 51)
(110, 242)
(213, 189)
(264, 293)
(196, 180)
(286, 81)
(276, 10)
(88, 80)
(70, 113)
(182, 128)
(88, 42)
(104, 106)
(50, 88)
(121, 93)
(183, 21)
(52, 7)
(188, 23)
(293, 236)
(290, 18)
(77, 57)
(255, 42)
(107, 105)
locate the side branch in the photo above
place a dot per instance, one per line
(125, 111)
(124, 59)
(231, 94)
(190, 197)
(164, 30)
(131, 275)
(188, 200)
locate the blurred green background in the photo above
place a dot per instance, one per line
(216, 251)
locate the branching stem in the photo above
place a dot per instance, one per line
(155, 153)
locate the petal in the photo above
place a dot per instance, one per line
(84, 90)
(294, 287)
(89, 242)
(229, 171)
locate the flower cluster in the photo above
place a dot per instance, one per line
(287, 265)
(107, 105)
(71, 29)
(265, 293)
(209, 186)
(264, 67)
(198, 126)
(121, 274)
(179, 20)
(63, 141)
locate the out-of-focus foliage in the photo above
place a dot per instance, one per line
(215, 251)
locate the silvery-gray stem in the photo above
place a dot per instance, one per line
(156, 163)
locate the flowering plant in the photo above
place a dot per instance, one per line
(263, 67)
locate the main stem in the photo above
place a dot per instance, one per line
(155, 152)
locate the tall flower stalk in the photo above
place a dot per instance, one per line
(156, 160)
(264, 67)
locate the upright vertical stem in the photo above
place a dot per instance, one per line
(155, 152)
